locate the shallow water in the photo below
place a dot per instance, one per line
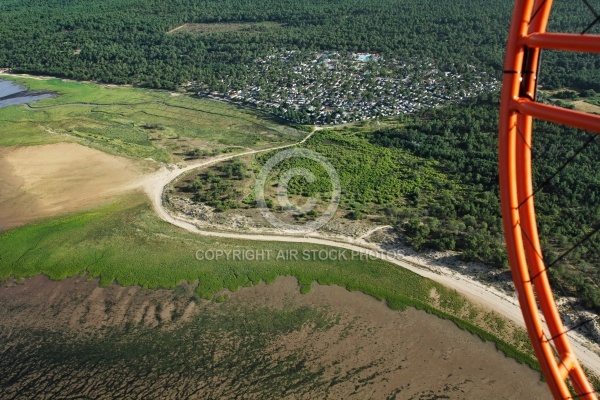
(18, 94)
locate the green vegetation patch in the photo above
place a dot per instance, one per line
(463, 139)
(126, 243)
(377, 182)
(217, 186)
(136, 122)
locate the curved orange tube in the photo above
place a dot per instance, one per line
(518, 108)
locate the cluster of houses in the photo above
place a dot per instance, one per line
(334, 88)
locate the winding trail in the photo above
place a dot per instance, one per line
(489, 297)
(154, 184)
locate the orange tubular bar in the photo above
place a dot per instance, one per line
(527, 36)
(563, 41)
(559, 115)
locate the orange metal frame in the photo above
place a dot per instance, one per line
(518, 108)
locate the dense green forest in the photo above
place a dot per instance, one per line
(462, 138)
(126, 41)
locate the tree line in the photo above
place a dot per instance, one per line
(126, 41)
(463, 140)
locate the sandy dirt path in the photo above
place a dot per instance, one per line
(372, 231)
(486, 296)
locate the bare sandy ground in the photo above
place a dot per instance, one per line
(37, 182)
(369, 351)
(43, 181)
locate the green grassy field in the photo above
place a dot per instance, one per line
(135, 122)
(126, 243)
